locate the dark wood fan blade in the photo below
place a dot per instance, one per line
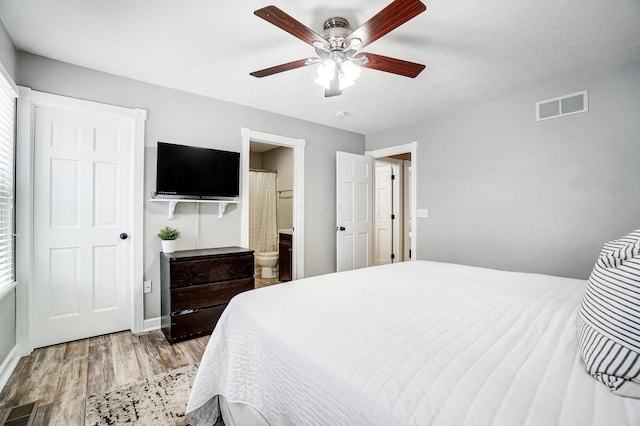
(283, 21)
(392, 65)
(283, 67)
(388, 19)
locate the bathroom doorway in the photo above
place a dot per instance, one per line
(297, 237)
(271, 211)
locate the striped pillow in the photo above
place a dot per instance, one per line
(609, 320)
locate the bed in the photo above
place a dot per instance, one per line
(412, 343)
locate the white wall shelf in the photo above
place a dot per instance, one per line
(222, 204)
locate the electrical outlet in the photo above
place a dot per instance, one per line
(147, 286)
(422, 212)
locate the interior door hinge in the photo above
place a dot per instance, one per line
(393, 256)
(393, 177)
(393, 216)
(409, 253)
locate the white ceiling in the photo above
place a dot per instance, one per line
(475, 50)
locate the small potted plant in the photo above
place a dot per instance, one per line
(168, 237)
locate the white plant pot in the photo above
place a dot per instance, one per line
(168, 246)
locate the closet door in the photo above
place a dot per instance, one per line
(81, 218)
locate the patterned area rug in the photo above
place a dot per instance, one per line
(157, 401)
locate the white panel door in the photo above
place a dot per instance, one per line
(354, 211)
(81, 207)
(407, 209)
(388, 212)
(383, 225)
(396, 210)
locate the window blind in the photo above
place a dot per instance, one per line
(7, 173)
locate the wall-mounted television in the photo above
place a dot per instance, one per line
(195, 172)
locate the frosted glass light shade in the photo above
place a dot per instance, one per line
(347, 73)
(322, 82)
(327, 70)
(351, 71)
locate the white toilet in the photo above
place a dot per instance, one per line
(267, 261)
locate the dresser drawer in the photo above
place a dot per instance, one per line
(196, 286)
(205, 295)
(202, 271)
(186, 326)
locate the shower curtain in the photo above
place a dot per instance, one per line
(263, 232)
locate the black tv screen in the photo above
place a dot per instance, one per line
(197, 172)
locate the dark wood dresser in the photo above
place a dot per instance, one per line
(196, 286)
(285, 257)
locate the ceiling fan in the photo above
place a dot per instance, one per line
(340, 61)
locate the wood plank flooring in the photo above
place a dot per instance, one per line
(61, 376)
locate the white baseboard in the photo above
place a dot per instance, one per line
(7, 367)
(151, 324)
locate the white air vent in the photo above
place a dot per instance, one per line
(563, 105)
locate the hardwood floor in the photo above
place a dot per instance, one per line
(61, 376)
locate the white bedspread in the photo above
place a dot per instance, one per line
(413, 343)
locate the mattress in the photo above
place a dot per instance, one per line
(411, 343)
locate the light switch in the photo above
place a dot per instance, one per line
(147, 286)
(423, 212)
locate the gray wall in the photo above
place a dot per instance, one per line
(8, 303)
(7, 52)
(189, 119)
(507, 192)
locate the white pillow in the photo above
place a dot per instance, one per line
(609, 320)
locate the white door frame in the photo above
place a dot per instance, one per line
(406, 210)
(411, 147)
(297, 241)
(28, 100)
(397, 225)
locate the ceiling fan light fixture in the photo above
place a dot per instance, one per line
(351, 70)
(326, 83)
(327, 69)
(346, 71)
(345, 82)
(326, 72)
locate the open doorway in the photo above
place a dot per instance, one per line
(400, 239)
(271, 211)
(392, 209)
(289, 228)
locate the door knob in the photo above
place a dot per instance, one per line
(341, 228)
(124, 236)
